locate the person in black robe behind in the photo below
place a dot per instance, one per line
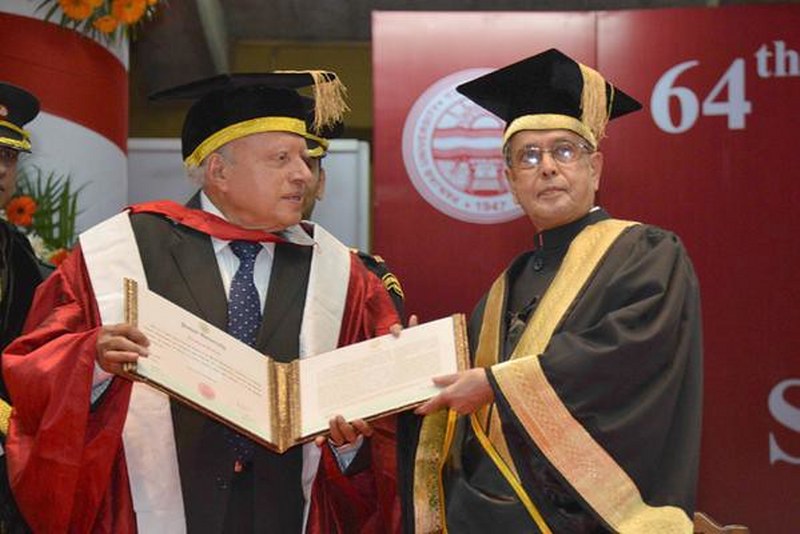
(582, 411)
(20, 270)
(318, 149)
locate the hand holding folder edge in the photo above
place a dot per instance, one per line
(343, 432)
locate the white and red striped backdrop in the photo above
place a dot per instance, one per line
(82, 85)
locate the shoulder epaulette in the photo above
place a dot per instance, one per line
(378, 267)
(392, 284)
(5, 415)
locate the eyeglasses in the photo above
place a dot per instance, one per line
(8, 155)
(564, 152)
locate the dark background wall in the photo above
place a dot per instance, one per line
(192, 39)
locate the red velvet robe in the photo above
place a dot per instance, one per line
(67, 463)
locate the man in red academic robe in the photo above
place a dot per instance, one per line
(91, 451)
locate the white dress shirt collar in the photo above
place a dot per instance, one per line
(294, 234)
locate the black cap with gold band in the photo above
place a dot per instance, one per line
(231, 106)
(550, 91)
(17, 108)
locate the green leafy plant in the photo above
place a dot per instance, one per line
(45, 208)
(56, 205)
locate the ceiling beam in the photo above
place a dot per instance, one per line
(212, 19)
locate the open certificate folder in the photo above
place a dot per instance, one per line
(284, 404)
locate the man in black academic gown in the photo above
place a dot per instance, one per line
(20, 270)
(582, 411)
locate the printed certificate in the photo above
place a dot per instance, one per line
(284, 404)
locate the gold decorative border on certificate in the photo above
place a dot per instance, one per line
(461, 341)
(131, 288)
(279, 404)
(274, 404)
(131, 311)
(284, 409)
(293, 409)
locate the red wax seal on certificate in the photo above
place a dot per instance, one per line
(206, 391)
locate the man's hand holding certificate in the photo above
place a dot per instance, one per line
(283, 404)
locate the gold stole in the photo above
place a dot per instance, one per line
(583, 256)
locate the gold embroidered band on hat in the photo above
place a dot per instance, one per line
(242, 129)
(19, 144)
(595, 112)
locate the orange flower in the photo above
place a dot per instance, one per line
(105, 24)
(20, 211)
(77, 9)
(152, 2)
(96, 3)
(128, 11)
(58, 257)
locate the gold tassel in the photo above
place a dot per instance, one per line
(329, 98)
(594, 102)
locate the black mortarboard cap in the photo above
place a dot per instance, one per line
(550, 91)
(17, 108)
(230, 106)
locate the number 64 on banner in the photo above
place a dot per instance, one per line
(773, 60)
(736, 107)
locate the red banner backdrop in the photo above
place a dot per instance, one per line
(712, 157)
(715, 159)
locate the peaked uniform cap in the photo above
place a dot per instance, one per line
(230, 106)
(17, 108)
(550, 91)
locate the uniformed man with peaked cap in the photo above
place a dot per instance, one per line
(582, 410)
(20, 271)
(236, 256)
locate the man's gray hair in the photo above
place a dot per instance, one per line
(197, 175)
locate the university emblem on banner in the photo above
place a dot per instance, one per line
(452, 153)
